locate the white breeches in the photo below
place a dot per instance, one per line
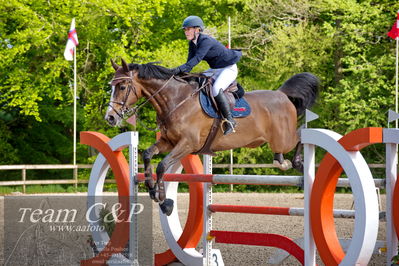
(223, 77)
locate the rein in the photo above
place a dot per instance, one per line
(188, 98)
(136, 108)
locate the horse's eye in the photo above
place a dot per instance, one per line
(123, 87)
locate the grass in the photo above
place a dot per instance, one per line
(36, 189)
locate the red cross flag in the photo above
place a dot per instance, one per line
(394, 33)
(71, 43)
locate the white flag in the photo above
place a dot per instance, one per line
(71, 43)
(392, 116)
(310, 116)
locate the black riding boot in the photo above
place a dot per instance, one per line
(224, 108)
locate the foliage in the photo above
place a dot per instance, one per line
(343, 42)
(395, 260)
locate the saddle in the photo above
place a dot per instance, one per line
(238, 105)
(234, 93)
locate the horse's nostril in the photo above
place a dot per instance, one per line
(111, 120)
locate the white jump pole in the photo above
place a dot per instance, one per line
(207, 226)
(391, 140)
(309, 176)
(211, 257)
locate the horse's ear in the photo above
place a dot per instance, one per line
(114, 65)
(125, 66)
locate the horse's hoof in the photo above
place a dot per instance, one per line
(298, 165)
(153, 193)
(167, 206)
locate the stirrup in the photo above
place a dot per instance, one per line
(230, 123)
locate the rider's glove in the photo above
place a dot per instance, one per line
(176, 71)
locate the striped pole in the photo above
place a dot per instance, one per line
(274, 180)
(272, 210)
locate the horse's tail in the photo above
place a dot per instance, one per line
(302, 89)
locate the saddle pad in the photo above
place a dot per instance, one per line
(241, 109)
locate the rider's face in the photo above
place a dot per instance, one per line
(190, 33)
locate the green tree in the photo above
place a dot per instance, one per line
(361, 91)
(343, 42)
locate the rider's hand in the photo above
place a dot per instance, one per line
(176, 71)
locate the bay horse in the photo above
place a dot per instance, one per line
(184, 126)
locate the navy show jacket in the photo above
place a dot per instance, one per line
(210, 50)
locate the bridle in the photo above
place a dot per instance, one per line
(125, 110)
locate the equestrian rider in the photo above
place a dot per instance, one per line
(221, 60)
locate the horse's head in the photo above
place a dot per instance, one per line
(124, 94)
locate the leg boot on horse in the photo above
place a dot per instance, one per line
(166, 205)
(224, 108)
(157, 190)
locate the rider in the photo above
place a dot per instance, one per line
(221, 60)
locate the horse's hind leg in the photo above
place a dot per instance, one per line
(281, 163)
(159, 147)
(297, 161)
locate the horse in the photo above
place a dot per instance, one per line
(184, 126)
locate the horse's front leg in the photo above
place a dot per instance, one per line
(160, 146)
(177, 153)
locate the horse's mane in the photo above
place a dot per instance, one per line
(153, 71)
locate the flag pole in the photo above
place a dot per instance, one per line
(231, 150)
(74, 105)
(70, 55)
(396, 79)
(392, 162)
(229, 33)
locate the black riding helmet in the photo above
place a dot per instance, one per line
(193, 21)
